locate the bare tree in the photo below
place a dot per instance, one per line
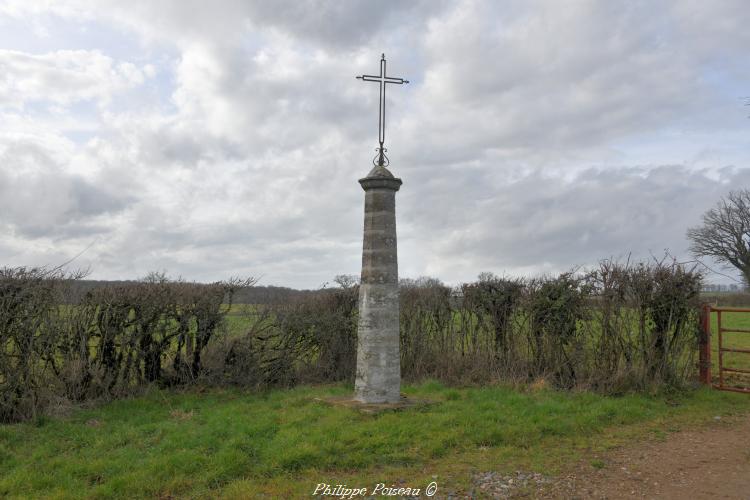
(346, 281)
(725, 233)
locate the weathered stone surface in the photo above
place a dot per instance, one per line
(378, 378)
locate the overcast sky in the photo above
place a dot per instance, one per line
(225, 138)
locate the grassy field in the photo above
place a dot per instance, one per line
(238, 320)
(731, 340)
(235, 444)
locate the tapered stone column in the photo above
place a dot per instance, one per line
(378, 378)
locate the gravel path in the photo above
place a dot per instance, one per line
(712, 462)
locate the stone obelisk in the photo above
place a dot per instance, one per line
(378, 361)
(378, 378)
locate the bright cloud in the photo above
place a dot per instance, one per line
(62, 78)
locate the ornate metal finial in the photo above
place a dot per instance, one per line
(382, 79)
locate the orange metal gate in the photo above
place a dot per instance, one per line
(721, 349)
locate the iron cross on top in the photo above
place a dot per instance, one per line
(382, 79)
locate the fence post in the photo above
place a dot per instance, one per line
(704, 345)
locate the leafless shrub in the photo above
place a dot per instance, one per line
(645, 324)
(427, 334)
(619, 327)
(108, 343)
(673, 311)
(555, 307)
(612, 323)
(29, 320)
(495, 301)
(247, 358)
(315, 337)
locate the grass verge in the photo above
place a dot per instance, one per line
(229, 443)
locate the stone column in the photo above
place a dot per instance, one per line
(378, 378)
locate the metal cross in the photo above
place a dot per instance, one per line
(382, 79)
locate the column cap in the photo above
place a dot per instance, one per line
(380, 177)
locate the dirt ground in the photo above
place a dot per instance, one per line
(709, 462)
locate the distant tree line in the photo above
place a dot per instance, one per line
(256, 294)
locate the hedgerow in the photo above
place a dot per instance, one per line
(617, 328)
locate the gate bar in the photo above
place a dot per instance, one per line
(705, 347)
(736, 370)
(735, 330)
(704, 343)
(721, 351)
(733, 389)
(735, 349)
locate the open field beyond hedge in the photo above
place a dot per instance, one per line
(735, 340)
(237, 322)
(232, 443)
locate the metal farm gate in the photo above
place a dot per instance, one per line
(731, 377)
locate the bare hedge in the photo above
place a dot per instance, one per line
(614, 329)
(617, 328)
(107, 343)
(620, 327)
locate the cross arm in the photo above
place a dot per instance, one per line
(390, 79)
(387, 79)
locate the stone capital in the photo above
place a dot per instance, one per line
(380, 177)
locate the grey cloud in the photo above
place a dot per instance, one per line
(38, 198)
(322, 23)
(561, 75)
(600, 213)
(92, 200)
(339, 24)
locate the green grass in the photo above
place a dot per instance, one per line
(284, 442)
(731, 340)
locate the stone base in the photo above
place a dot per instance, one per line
(375, 408)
